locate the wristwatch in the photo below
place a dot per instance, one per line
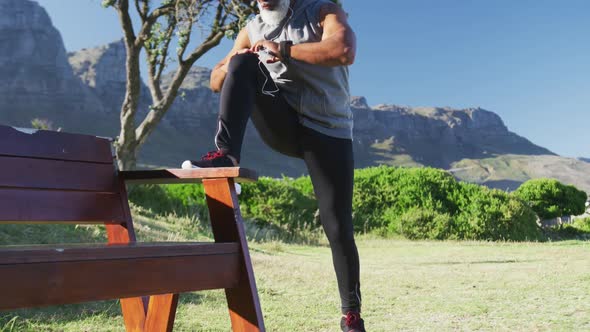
(285, 49)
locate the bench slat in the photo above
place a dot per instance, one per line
(57, 174)
(61, 282)
(38, 206)
(30, 254)
(54, 145)
(166, 176)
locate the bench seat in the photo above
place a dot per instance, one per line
(38, 275)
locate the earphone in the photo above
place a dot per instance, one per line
(266, 79)
(267, 92)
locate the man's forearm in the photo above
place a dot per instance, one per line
(339, 50)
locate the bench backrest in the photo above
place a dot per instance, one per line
(58, 177)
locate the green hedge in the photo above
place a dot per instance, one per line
(419, 203)
(383, 194)
(287, 203)
(492, 214)
(550, 198)
(429, 203)
(180, 199)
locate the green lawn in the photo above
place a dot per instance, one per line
(407, 286)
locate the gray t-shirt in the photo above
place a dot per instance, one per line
(319, 94)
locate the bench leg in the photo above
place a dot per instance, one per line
(161, 313)
(133, 308)
(133, 314)
(227, 226)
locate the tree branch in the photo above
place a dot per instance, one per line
(158, 111)
(212, 40)
(157, 62)
(164, 56)
(183, 44)
(139, 10)
(125, 20)
(149, 22)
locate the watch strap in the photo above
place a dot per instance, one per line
(285, 49)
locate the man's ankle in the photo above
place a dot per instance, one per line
(233, 159)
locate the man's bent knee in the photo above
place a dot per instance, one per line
(244, 63)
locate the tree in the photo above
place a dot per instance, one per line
(550, 198)
(160, 26)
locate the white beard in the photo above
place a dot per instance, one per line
(276, 16)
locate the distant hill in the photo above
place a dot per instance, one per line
(585, 159)
(82, 91)
(507, 172)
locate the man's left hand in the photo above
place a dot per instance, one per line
(271, 47)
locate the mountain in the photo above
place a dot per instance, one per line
(434, 136)
(82, 91)
(507, 172)
(33, 62)
(585, 159)
(102, 70)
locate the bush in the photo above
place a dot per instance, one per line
(550, 198)
(492, 214)
(419, 203)
(179, 199)
(383, 194)
(419, 223)
(582, 224)
(287, 203)
(427, 203)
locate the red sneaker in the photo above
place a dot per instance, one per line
(352, 322)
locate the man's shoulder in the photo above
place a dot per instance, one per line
(254, 21)
(324, 3)
(321, 8)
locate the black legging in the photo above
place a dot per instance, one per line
(329, 160)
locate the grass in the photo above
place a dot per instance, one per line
(407, 286)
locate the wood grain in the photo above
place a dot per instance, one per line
(42, 284)
(196, 175)
(227, 226)
(134, 309)
(24, 205)
(161, 313)
(134, 313)
(57, 174)
(31, 254)
(54, 145)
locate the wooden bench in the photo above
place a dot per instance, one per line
(51, 177)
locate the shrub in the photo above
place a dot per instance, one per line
(492, 214)
(179, 199)
(550, 198)
(419, 223)
(383, 194)
(419, 203)
(287, 203)
(582, 224)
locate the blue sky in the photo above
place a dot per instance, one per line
(526, 60)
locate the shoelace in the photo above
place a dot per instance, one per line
(212, 155)
(352, 319)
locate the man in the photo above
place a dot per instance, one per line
(288, 72)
